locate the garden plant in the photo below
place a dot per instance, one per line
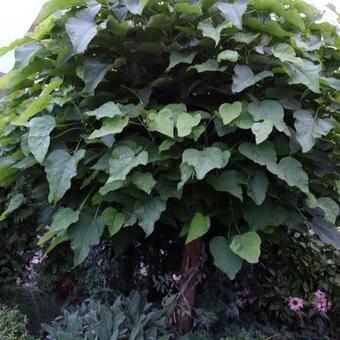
(219, 120)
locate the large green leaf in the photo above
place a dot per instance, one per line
(39, 136)
(143, 181)
(110, 126)
(84, 234)
(206, 160)
(136, 6)
(54, 5)
(263, 154)
(265, 215)
(262, 130)
(185, 122)
(224, 259)
(291, 171)
(82, 28)
(309, 128)
(15, 203)
(308, 74)
(329, 207)
(60, 168)
(228, 181)
(148, 211)
(113, 219)
(233, 11)
(210, 31)
(163, 122)
(244, 77)
(269, 110)
(229, 112)
(24, 53)
(93, 73)
(258, 186)
(247, 246)
(199, 226)
(228, 55)
(123, 160)
(62, 219)
(286, 53)
(107, 110)
(38, 104)
(177, 57)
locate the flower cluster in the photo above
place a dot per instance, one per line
(320, 302)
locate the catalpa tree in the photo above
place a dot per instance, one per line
(220, 119)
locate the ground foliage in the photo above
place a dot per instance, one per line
(206, 116)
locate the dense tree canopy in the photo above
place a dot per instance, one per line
(216, 118)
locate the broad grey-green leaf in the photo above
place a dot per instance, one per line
(60, 168)
(15, 202)
(334, 83)
(329, 207)
(244, 37)
(286, 52)
(206, 160)
(185, 122)
(258, 186)
(233, 11)
(244, 77)
(210, 65)
(24, 53)
(265, 215)
(148, 211)
(212, 32)
(113, 219)
(177, 57)
(107, 110)
(187, 171)
(269, 110)
(63, 218)
(228, 55)
(82, 28)
(247, 246)
(224, 259)
(291, 171)
(309, 128)
(313, 42)
(93, 73)
(39, 136)
(123, 160)
(110, 126)
(136, 6)
(262, 130)
(162, 121)
(228, 181)
(199, 226)
(229, 112)
(84, 234)
(52, 6)
(263, 154)
(308, 74)
(143, 181)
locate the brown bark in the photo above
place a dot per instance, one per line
(190, 277)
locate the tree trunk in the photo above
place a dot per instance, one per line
(190, 278)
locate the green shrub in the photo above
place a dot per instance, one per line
(13, 324)
(129, 317)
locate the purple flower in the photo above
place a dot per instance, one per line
(319, 295)
(295, 303)
(320, 302)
